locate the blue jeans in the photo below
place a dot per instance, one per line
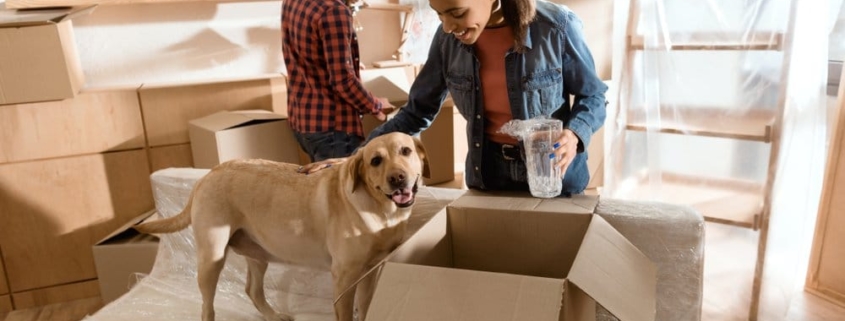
(321, 146)
(509, 174)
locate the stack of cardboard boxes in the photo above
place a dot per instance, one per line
(75, 162)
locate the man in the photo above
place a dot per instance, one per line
(326, 98)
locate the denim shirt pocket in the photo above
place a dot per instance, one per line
(543, 91)
(461, 89)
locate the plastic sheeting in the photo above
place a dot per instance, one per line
(671, 236)
(170, 291)
(705, 92)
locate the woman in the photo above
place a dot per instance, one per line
(503, 60)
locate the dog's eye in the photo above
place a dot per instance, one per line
(375, 161)
(406, 151)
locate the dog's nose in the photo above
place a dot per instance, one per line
(396, 180)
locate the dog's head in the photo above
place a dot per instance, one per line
(390, 166)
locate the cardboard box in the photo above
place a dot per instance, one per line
(177, 156)
(224, 136)
(54, 210)
(92, 122)
(167, 108)
(495, 257)
(391, 83)
(55, 294)
(459, 133)
(439, 140)
(4, 288)
(121, 255)
(5, 304)
(38, 57)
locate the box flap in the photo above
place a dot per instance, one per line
(391, 83)
(577, 204)
(578, 306)
(383, 87)
(231, 119)
(412, 292)
(127, 226)
(32, 17)
(615, 273)
(510, 235)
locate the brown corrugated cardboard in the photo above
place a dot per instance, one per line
(279, 94)
(556, 240)
(54, 210)
(55, 294)
(121, 255)
(5, 304)
(4, 288)
(170, 156)
(167, 108)
(224, 136)
(92, 122)
(459, 124)
(440, 142)
(483, 296)
(38, 57)
(391, 83)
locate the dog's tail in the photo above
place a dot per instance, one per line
(170, 224)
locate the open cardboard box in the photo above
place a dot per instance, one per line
(121, 255)
(38, 56)
(242, 134)
(391, 83)
(508, 257)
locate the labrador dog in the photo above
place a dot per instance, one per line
(345, 219)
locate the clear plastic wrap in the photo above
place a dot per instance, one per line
(170, 291)
(720, 105)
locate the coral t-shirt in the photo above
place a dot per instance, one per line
(491, 48)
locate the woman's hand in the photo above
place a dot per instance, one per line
(565, 149)
(316, 166)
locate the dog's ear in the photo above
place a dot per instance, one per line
(423, 157)
(353, 170)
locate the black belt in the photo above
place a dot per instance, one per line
(510, 152)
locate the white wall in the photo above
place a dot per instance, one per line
(127, 45)
(184, 42)
(132, 44)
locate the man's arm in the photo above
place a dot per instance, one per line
(337, 32)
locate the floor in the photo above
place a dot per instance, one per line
(729, 265)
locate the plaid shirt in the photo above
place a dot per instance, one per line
(320, 48)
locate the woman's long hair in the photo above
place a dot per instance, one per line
(518, 14)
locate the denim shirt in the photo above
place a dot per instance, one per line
(556, 63)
